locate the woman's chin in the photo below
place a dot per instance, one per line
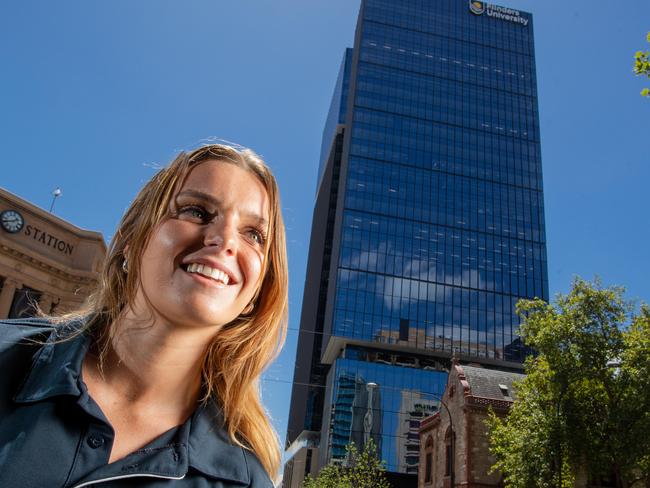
(200, 318)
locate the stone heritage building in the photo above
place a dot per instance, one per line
(44, 260)
(471, 390)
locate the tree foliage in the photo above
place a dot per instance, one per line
(642, 66)
(361, 470)
(584, 406)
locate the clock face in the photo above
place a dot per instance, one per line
(11, 221)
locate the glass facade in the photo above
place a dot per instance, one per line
(440, 215)
(336, 114)
(381, 401)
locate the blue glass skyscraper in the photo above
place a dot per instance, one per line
(428, 224)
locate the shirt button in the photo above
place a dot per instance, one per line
(95, 441)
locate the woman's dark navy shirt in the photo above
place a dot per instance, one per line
(52, 433)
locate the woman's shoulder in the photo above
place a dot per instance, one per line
(213, 453)
(259, 478)
(22, 331)
(20, 341)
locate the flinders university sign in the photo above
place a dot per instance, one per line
(503, 13)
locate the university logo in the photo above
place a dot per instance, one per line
(476, 7)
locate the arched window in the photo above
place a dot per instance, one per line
(428, 460)
(449, 453)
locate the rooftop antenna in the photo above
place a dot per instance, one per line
(56, 193)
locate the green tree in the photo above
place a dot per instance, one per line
(642, 66)
(584, 406)
(361, 470)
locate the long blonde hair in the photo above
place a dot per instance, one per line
(241, 350)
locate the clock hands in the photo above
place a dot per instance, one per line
(12, 221)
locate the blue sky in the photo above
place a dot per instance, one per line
(94, 95)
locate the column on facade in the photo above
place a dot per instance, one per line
(7, 295)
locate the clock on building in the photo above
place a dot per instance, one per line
(11, 221)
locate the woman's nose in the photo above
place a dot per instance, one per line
(221, 235)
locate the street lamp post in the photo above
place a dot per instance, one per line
(368, 418)
(55, 194)
(452, 457)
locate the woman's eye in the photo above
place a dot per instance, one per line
(193, 212)
(256, 236)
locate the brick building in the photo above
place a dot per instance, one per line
(469, 393)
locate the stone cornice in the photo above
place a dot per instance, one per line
(430, 422)
(82, 278)
(51, 218)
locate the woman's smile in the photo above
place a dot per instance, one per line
(213, 274)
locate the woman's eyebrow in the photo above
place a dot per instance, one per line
(201, 196)
(259, 220)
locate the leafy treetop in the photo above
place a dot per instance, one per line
(642, 66)
(361, 470)
(584, 407)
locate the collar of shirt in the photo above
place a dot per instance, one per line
(201, 442)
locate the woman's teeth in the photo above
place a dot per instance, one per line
(208, 272)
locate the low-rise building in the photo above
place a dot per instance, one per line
(44, 260)
(454, 446)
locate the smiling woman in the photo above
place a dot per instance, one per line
(156, 380)
(219, 218)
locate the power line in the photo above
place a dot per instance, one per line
(316, 385)
(294, 329)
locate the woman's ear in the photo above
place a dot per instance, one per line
(125, 262)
